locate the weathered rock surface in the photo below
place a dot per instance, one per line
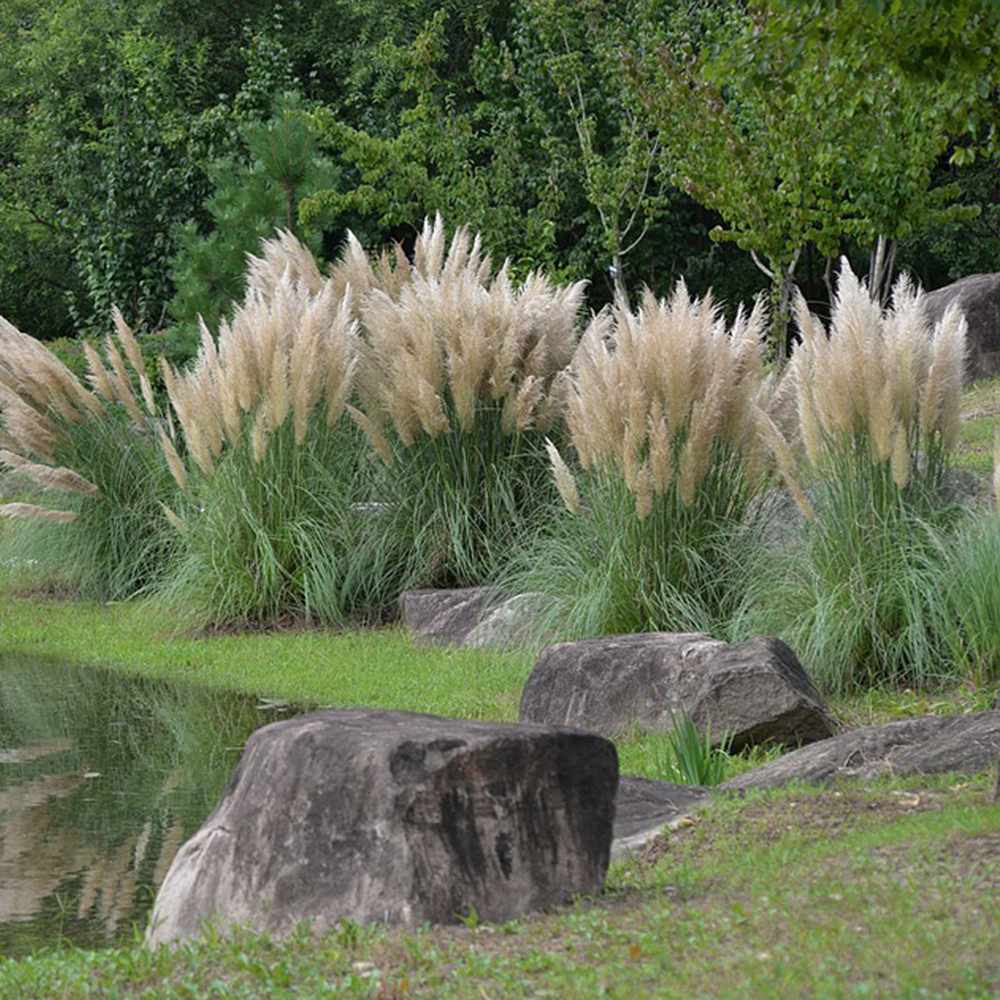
(754, 691)
(395, 817)
(476, 617)
(978, 296)
(643, 807)
(929, 745)
(512, 622)
(446, 617)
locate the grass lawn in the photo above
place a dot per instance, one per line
(887, 891)
(377, 669)
(980, 410)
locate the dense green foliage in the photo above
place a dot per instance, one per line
(248, 200)
(534, 123)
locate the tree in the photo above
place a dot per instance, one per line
(252, 197)
(619, 147)
(780, 139)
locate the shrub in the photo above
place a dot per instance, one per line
(95, 449)
(878, 404)
(666, 421)
(461, 377)
(252, 196)
(272, 468)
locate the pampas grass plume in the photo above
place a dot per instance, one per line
(30, 511)
(565, 483)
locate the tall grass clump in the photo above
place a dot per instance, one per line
(91, 456)
(270, 526)
(462, 376)
(672, 442)
(969, 586)
(878, 399)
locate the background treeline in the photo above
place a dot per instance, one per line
(146, 146)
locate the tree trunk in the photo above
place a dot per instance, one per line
(290, 208)
(621, 292)
(880, 269)
(782, 287)
(828, 281)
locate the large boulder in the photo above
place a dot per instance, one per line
(978, 296)
(753, 692)
(395, 817)
(927, 745)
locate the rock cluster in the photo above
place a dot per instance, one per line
(405, 818)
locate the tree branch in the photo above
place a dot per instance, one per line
(762, 265)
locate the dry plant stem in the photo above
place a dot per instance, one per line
(33, 512)
(56, 479)
(290, 345)
(453, 338)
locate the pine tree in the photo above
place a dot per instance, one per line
(252, 197)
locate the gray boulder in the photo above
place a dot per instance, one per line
(978, 296)
(644, 807)
(754, 691)
(395, 817)
(476, 617)
(512, 622)
(446, 617)
(928, 745)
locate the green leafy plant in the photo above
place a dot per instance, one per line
(696, 758)
(684, 754)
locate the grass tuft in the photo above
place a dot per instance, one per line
(672, 445)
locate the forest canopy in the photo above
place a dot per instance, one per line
(147, 146)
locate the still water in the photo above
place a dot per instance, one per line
(102, 778)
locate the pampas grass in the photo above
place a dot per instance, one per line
(671, 441)
(878, 400)
(269, 466)
(93, 451)
(462, 376)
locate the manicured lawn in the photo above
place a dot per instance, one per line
(889, 891)
(378, 669)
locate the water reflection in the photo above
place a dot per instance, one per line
(102, 778)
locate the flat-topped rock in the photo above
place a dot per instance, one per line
(931, 744)
(643, 807)
(395, 817)
(754, 691)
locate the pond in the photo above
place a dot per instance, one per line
(102, 778)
